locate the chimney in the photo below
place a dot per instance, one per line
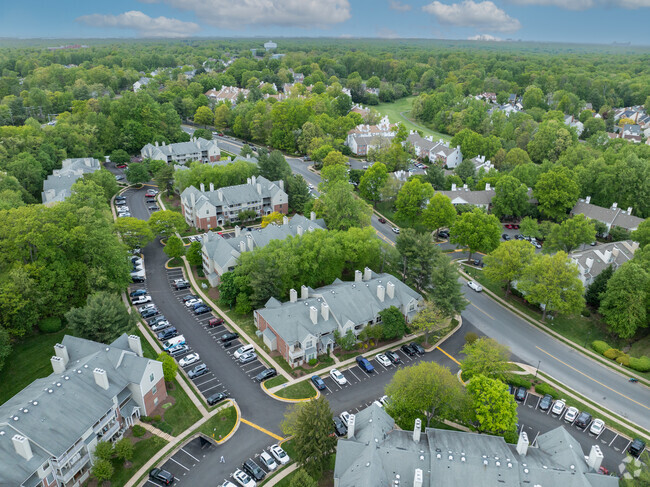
(417, 430)
(249, 239)
(242, 246)
(62, 351)
(101, 379)
(418, 478)
(156, 143)
(312, 216)
(313, 314)
(614, 205)
(453, 186)
(22, 447)
(193, 199)
(487, 186)
(390, 290)
(595, 457)
(285, 220)
(587, 199)
(220, 194)
(351, 423)
(202, 188)
(163, 143)
(293, 295)
(357, 276)
(281, 183)
(465, 187)
(259, 188)
(381, 292)
(237, 230)
(325, 311)
(299, 230)
(304, 292)
(58, 365)
(253, 179)
(367, 274)
(135, 345)
(629, 210)
(522, 444)
(211, 186)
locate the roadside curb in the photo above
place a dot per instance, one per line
(285, 399)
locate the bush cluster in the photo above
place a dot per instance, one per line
(544, 389)
(613, 353)
(600, 346)
(518, 381)
(640, 364)
(138, 431)
(623, 359)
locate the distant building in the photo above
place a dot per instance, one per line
(594, 260)
(479, 198)
(58, 185)
(140, 83)
(362, 138)
(209, 209)
(377, 453)
(438, 150)
(611, 217)
(270, 45)
(197, 149)
(226, 93)
(361, 110)
(49, 430)
(571, 121)
(220, 254)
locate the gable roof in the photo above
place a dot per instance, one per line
(181, 148)
(594, 260)
(58, 185)
(613, 216)
(234, 195)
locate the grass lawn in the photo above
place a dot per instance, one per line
(28, 361)
(275, 381)
(220, 424)
(142, 451)
(172, 202)
(394, 112)
(175, 262)
(301, 390)
(181, 415)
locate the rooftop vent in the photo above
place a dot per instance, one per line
(78, 371)
(462, 459)
(485, 462)
(15, 418)
(50, 391)
(35, 403)
(25, 410)
(67, 377)
(58, 384)
(2, 433)
(498, 464)
(509, 465)
(438, 456)
(526, 470)
(451, 458)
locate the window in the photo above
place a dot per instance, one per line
(154, 390)
(155, 401)
(151, 378)
(378, 320)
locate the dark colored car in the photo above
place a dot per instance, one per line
(505, 236)
(520, 395)
(189, 297)
(443, 234)
(546, 402)
(161, 475)
(477, 262)
(636, 447)
(199, 310)
(153, 208)
(215, 322)
(120, 199)
(382, 220)
(254, 470)
(266, 374)
(215, 398)
(229, 337)
(181, 284)
(150, 200)
(138, 292)
(365, 364)
(583, 420)
(419, 349)
(148, 313)
(318, 382)
(170, 332)
(137, 279)
(393, 357)
(339, 428)
(408, 350)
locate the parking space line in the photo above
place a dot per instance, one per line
(175, 461)
(538, 400)
(628, 445)
(209, 380)
(210, 388)
(533, 443)
(263, 430)
(355, 375)
(610, 443)
(189, 454)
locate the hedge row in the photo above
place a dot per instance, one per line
(518, 381)
(544, 389)
(640, 364)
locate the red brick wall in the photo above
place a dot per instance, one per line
(283, 208)
(161, 394)
(203, 222)
(215, 158)
(282, 346)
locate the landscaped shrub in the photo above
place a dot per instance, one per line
(623, 359)
(465, 376)
(50, 325)
(518, 381)
(470, 337)
(312, 362)
(613, 353)
(138, 431)
(146, 419)
(640, 364)
(585, 312)
(544, 388)
(156, 418)
(600, 346)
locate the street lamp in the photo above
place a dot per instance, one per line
(537, 370)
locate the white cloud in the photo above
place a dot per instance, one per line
(484, 37)
(630, 4)
(240, 13)
(586, 4)
(399, 6)
(386, 33)
(483, 15)
(144, 25)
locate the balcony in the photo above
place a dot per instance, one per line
(103, 422)
(64, 475)
(65, 459)
(109, 432)
(296, 353)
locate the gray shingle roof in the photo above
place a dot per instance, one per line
(57, 186)
(178, 149)
(594, 260)
(609, 216)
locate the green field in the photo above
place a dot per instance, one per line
(220, 424)
(143, 450)
(300, 390)
(400, 110)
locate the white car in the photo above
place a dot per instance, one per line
(558, 407)
(571, 414)
(597, 427)
(243, 479)
(377, 403)
(146, 307)
(384, 400)
(383, 360)
(279, 454)
(475, 286)
(268, 462)
(345, 417)
(189, 359)
(395, 230)
(338, 377)
(192, 302)
(227, 483)
(142, 299)
(160, 325)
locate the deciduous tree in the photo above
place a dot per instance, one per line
(342, 209)
(510, 197)
(124, 449)
(529, 227)
(411, 199)
(428, 319)
(137, 173)
(642, 233)
(175, 247)
(487, 357)
(166, 223)
(102, 470)
(103, 319)
(169, 366)
(334, 158)
(476, 230)
(556, 192)
(439, 213)
(275, 217)
(135, 233)
(494, 406)
(195, 254)
(624, 303)
(302, 479)
(508, 261)
(570, 234)
(203, 116)
(393, 323)
(372, 181)
(104, 450)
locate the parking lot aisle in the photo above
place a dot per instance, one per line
(263, 430)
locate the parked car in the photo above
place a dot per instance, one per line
(505, 236)
(443, 233)
(268, 461)
(365, 365)
(597, 427)
(149, 313)
(150, 200)
(254, 470)
(198, 371)
(227, 483)
(279, 454)
(120, 199)
(156, 319)
(393, 357)
(243, 479)
(571, 414)
(138, 292)
(339, 427)
(636, 447)
(247, 348)
(475, 286)
(189, 297)
(198, 305)
(345, 417)
(215, 322)
(215, 398)
(178, 350)
(395, 230)
(338, 377)
(161, 475)
(408, 350)
(247, 358)
(142, 299)
(477, 262)
(180, 284)
(419, 349)
(229, 337)
(384, 400)
(153, 208)
(546, 402)
(136, 278)
(266, 374)
(146, 307)
(558, 407)
(520, 395)
(192, 302)
(383, 360)
(583, 420)
(160, 325)
(318, 382)
(189, 359)
(168, 333)
(382, 220)
(199, 310)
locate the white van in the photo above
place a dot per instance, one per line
(173, 342)
(244, 349)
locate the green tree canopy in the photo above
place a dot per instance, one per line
(203, 116)
(372, 181)
(392, 323)
(570, 234)
(494, 406)
(510, 197)
(594, 293)
(642, 233)
(137, 173)
(487, 357)
(103, 319)
(411, 199)
(135, 233)
(439, 213)
(508, 261)
(556, 192)
(166, 223)
(195, 254)
(175, 247)
(273, 166)
(428, 319)
(624, 303)
(342, 209)
(476, 230)
(169, 366)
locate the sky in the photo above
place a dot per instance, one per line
(574, 21)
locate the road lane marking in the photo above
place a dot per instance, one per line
(589, 377)
(384, 237)
(263, 430)
(175, 461)
(189, 454)
(448, 355)
(486, 314)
